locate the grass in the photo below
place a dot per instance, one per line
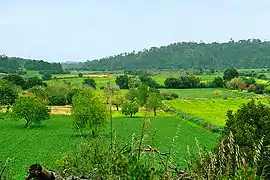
(209, 110)
(76, 81)
(207, 93)
(55, 138)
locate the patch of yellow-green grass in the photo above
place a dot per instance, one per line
(209, 110)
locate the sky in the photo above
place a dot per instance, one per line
(80, 30)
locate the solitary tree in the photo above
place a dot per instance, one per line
(31, 109)
(117, 100)
(122, 81)
(130, 108)
(88, 112)
(154, 102)
(230, 73)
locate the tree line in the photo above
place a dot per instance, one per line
(251, 53)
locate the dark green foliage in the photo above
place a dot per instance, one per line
(8, 93)
(183, 82)
(217, 83)
(57, 100)
(70, 95)
(34, 81)
(249, 81)
(250, 126)
(149, 81)
(122, 81)
(80, 75)
(31, 109)
(90, 82)
(47, 76)
(262, 76)
(251, 53)
(15, 79)
(8, 65)
(259, 89)
(230, 73)
(169, 95)
(43, 66)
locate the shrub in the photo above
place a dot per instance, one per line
(40, 92)
(90, 82)
(88, 112)
(251, 88)
(47, 76)
(31, 109)
(57, 100)
(166, 95)
(70, 95)
(235, 84)
(80, 75)
(217, 83)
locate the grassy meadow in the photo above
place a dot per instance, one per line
(55, 138)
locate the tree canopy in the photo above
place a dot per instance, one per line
(251, 53)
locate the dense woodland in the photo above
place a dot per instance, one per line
(251, 53)
(14, 64)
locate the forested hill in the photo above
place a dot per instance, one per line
(252, 53)
(14, 64)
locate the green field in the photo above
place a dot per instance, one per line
(55, 138)
(208, 93)
(209, 110)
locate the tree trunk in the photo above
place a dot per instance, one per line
(155, 112)
(27, 123)
(131, 115)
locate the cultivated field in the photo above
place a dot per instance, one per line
(55, 138)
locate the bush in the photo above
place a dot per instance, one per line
(259, 89)
(90, 82)
(31, 109)
(34, 81)
(166, 95)
(236, 84)
(47, 76)
(57, 100)
(217, 83)
(80, 75)
(70, 95)
(40, 92)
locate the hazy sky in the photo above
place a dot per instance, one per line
(78, 30)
